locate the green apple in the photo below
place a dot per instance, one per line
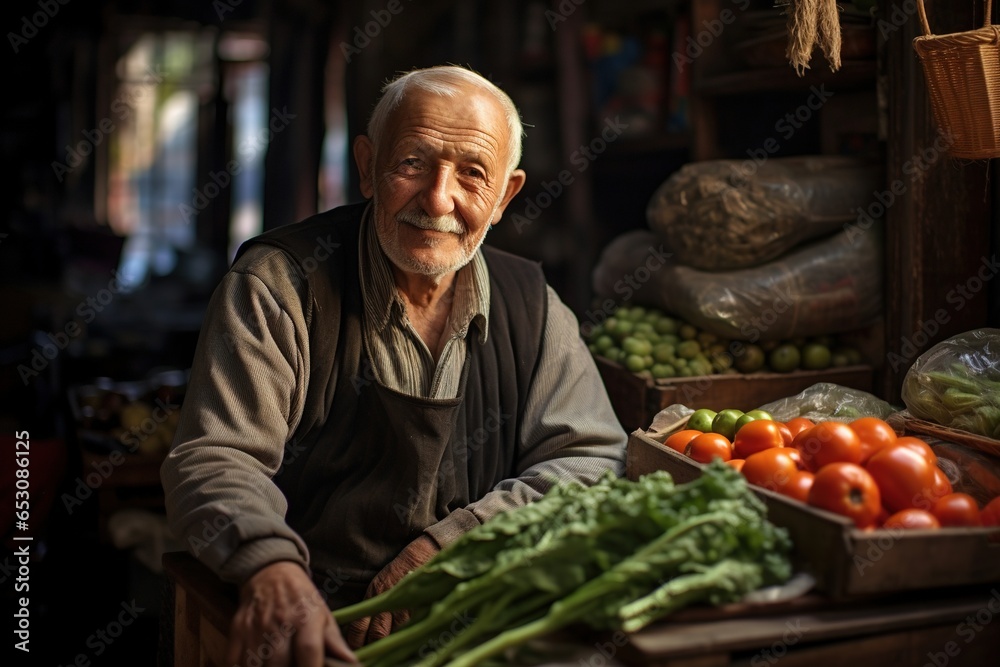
(701, 420)
(725, 422)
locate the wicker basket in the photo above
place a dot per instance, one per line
(963, 78)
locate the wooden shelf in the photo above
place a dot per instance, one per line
(851, 75)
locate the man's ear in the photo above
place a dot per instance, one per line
(514, 184)
(364, 156)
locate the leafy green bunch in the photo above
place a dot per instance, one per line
(616, 555)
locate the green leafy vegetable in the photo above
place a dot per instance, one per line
(619, 554)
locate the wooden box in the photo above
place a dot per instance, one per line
(636, 400)
(844, 560)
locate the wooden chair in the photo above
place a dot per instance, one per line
(202, 610)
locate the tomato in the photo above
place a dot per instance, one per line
(679, 441)
(786, 434)
(736, 463)
(771, 468)
(708, 446)
(798, 424)
(957, 509)
(904, 477)
(874, 435)
(799, 485)
(919, 446)
(848, 490)
(940, 487)
(912, 518)
(990, 516)
(756, 436)
(826, 443)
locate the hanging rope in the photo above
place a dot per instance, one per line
(812, 22)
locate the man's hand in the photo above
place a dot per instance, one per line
(366, 630)
(282, 620)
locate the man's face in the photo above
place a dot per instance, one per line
(439, 179)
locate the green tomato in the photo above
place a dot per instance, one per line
(725, 422)
(663, 371)
(751, 416)
(666, 325)
(635, 363)
(635, 345)
(663, 353)
(701, 420)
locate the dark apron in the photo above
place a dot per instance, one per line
(408, 474)
(378, 467)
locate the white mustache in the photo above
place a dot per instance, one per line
(445, 223)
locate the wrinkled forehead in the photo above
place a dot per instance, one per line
(473, 112)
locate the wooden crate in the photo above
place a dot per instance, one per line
(844, 560)
(636, 399)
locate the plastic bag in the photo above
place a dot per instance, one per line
(826, 401)
(968, 470)
(827, 287)
(956, 383)
(721, 215)
(666, 421)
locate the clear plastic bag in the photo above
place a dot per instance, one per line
(956, 383)
(721, 215)
(827, 287)
(826, 401)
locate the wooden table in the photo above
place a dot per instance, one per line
(956, 628)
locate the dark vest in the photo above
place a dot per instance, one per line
(377, 467)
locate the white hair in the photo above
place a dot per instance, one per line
(444, 80)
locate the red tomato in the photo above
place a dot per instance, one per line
(990, 516)
(919, 446)
(771, 468)
(757, 436)
(786, 434)
(848, 490)
(904, 477)
(798, 424)
(799, 486)
(912, 518)
(957, 509)
(940, 487)
(679, 441)
(874, 435)
(826, 443)
(708, 446)
(736, 463)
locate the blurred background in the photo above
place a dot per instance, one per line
(144, 140)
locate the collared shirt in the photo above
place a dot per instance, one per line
(400, 358)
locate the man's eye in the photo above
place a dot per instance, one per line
(410, 163)
(475, 173)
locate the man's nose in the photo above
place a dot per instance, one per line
(439, 194)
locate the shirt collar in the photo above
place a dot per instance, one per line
(471, 291)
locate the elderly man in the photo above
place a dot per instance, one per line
(371, 383)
